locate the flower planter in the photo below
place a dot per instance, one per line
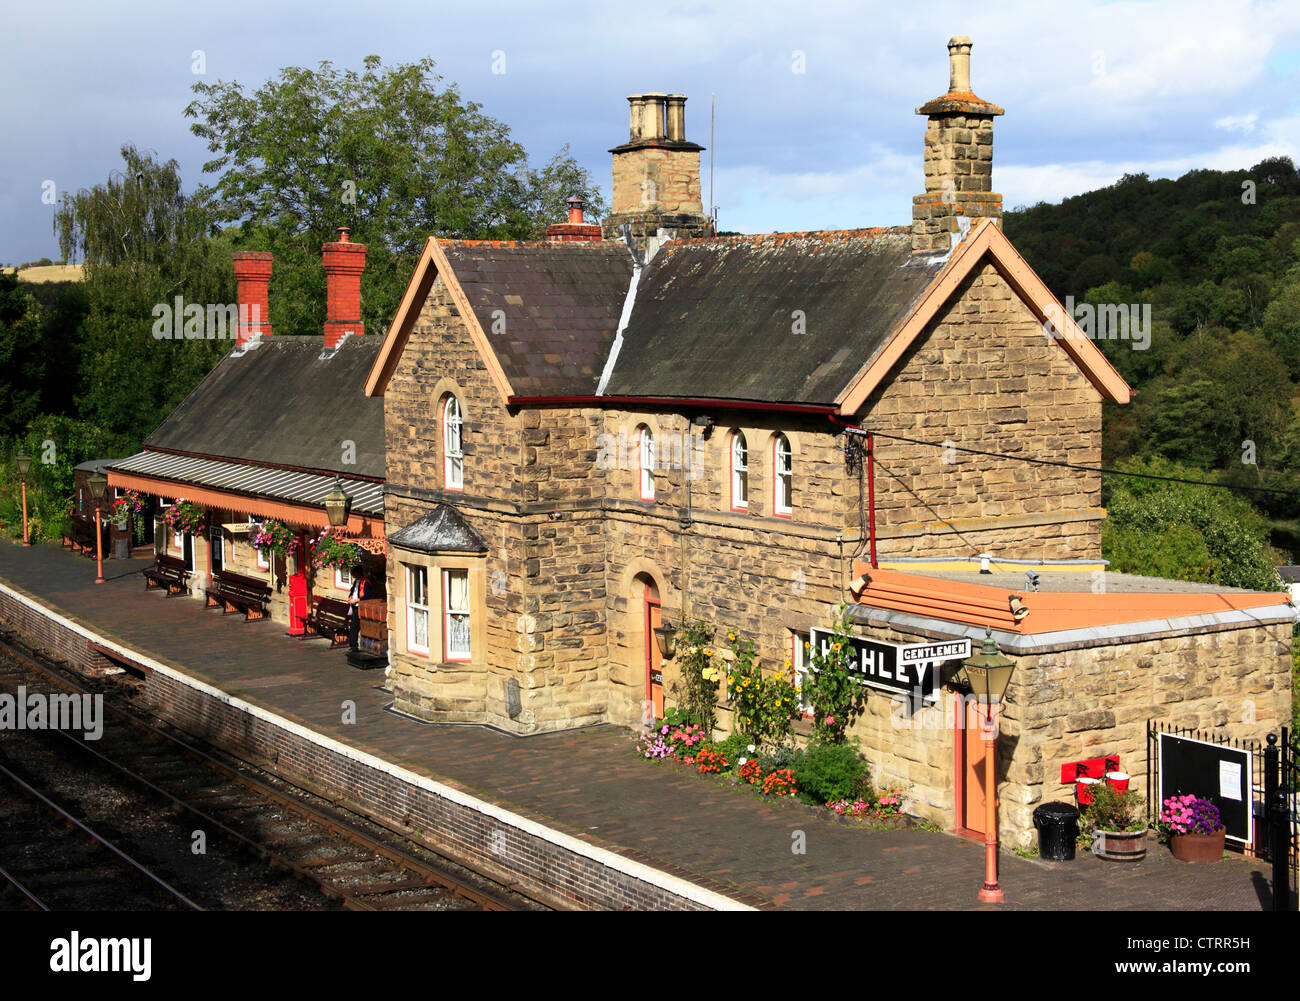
(1198, 847)
(1120, 846)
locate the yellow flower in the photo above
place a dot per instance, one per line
(731, 679)
(708, 651)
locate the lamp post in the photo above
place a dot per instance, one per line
(24, 463)
(989, 673)
(337, 504)
(98, 486)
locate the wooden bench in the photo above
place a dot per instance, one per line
(169, 572)
(80, 534)
(329, 618)
(232, 592)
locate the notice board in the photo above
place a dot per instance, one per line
(1215, 772)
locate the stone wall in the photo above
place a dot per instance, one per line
(983, 376)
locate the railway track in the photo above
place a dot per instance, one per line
(285, 827)
(31, 841)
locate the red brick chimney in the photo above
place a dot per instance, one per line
(344, 261)
(575, 229)
(253, 272)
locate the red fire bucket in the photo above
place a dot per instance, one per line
(1118, 781)
(1083, 790)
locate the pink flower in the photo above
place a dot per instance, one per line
(830, 720)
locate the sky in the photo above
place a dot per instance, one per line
(815, 100)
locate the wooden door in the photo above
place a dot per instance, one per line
(972, 737)
(654, 675)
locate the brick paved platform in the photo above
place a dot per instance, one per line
(588, 784)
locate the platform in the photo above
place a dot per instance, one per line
(672, 828)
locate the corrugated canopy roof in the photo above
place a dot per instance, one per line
(284, 403)
(558, 304)
(719, 318)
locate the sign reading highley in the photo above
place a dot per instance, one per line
(904, 669)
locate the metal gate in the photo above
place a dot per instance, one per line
(1281, 789)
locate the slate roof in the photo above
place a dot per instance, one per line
(281, 404)
(442, 530)
(560, 305)
(713, 317)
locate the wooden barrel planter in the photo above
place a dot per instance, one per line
(1120, 846)
(1198, 847)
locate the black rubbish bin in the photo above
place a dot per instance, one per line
(1058, 827)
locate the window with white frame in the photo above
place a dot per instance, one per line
(417, 609)
(343, 578)
(782, 476)
(455, 589)
(647, 464)
(453, 458)
(799, 659)
(739, 472)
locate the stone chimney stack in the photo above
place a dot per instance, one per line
(253, 275)
(344, 261)
(656, 192)
(958, 160)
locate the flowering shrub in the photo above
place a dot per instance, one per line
(710, 761)
(683, 740)
(779, 783)
(131, 502)
(184, 517)
(652, 745)
(887, 805)
(273, 537)
(836, 696)
(751, 771)
(765, 707)
(699, 674)
(330, 551)
(1190, 815)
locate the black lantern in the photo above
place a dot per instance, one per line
(24, 463)
(337, 504)
(666, 637)
(98, 484)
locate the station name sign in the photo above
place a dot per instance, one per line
(900, 668)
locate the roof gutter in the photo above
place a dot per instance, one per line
(675, 402)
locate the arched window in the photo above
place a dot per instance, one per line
(782, 477)
(739, 472)
(647, 464)
(453, 459)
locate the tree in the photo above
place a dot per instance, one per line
(22, 361)
(385, 151)
(143, 242)
(1185, 531)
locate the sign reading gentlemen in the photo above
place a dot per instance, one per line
(910, 669)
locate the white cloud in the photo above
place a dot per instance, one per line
(1237, 123)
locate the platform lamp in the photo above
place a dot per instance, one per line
(666, 638)
(24, 463)
(337, 504)
(989, 673)
(98, 487)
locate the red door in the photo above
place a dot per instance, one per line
(654, 675)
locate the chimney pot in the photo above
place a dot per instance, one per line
(675, 118)
(959, 65)
(652, 115)
(635, 105)
(575, 210)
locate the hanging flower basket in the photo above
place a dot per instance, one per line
(131, 502)
(329, 551)
(184, 517)
(273, 536)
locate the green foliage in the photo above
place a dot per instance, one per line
(22, 358)
(699, 691)
(1111, 810)
(1185, 531)
(387, 151)
(826, 773)
(144, 242)
(836, 696)
(765, 706)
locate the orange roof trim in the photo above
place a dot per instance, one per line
(1049, 611)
